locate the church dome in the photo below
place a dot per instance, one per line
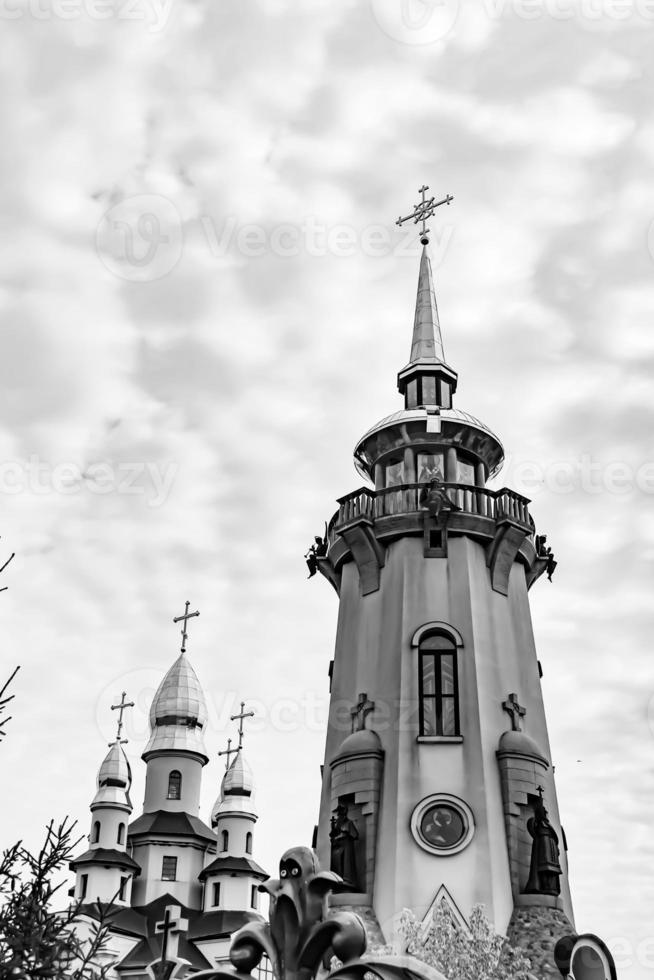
(360, 743)
(114, 779)
(178, 713)
(237, 783)
(179, 696)
(115, 769)
(519, 743)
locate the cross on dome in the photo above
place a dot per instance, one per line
(120, 708)
(513, 708)
(229, 751)
(243, 714)
(186, 615)
(359, 711)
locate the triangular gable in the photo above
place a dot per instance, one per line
(441, 899)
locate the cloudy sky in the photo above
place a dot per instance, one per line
(205, 302)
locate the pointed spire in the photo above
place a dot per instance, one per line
(427, 380)
(427, 343)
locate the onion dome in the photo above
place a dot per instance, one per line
(114, 779)
(236, 790)
(178, 713)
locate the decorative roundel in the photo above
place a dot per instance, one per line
(442, 824)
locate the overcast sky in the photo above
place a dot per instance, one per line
(205, 302)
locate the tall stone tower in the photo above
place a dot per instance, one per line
(437, 783)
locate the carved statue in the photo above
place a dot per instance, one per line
(301, 937)
(343, 834)
(435, 499)
(545, 867)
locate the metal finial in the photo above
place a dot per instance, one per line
(184, 618)
(241, 716)
(229, 751)
(120, 708)
(422, 211)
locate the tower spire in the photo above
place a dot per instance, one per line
(427, 342)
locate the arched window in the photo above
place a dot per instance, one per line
(248, 843)
(121, 833)
(96, 832)
(225, 840)
(175, 785)
(438, 685)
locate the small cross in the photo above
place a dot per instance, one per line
(229, 751)
(185, 617)
(120, 708)
(540, 791)
(243, 714)
(422, 211)
(171, 927)
(359, 712)
(513, 707)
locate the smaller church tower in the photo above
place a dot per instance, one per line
(231, 880)
(105, 871)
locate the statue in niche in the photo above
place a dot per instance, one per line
(343, 834)
(545, 868)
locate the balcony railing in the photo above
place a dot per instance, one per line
(405, 499)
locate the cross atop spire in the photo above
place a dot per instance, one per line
(422, 211)
(243, 714)
(186, 615)
(120, 708)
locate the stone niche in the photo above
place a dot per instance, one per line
(522, 769)
(356, 779)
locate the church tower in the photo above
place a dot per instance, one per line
(437, 783)
(105, 871)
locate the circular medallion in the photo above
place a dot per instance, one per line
(442, 824)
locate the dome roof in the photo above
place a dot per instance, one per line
(519, 743)
(236, 790)
(178, 713)
(114, 779)
(179, 696)
(360, 743)
(115, 768)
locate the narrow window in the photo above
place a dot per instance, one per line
(253, 896)
(83, 886)
(225, 840)
(96, 832)
(169, 869)
(175, 785)
(122, 889)
(121, 833)
(216, 893)
(438, 682)
(248, 843)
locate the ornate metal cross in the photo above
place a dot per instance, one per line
(171, 926)
(120, 708)
(359, 711)
(229, 751)
(423, 210)
(513, 707)
(184, 618)
(241, 716)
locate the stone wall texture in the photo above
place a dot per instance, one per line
(536, 931)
